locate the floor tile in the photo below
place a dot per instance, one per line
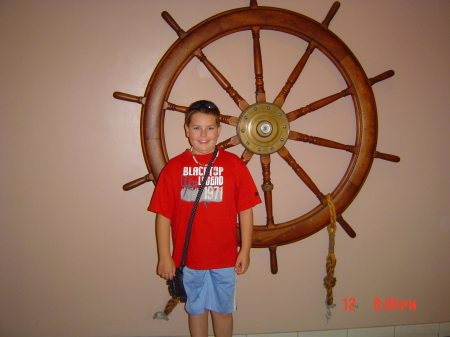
(324, 333)
(286, 334)
(444, 329)
(385, 331)
(417, 330)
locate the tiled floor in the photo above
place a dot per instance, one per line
(418, 330)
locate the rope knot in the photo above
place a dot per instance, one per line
(329, 282)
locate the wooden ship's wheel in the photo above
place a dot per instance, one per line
(262, 127)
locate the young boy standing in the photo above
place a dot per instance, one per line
(213, 259)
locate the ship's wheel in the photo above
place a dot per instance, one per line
(262, 127)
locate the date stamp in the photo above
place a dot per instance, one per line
(393, 304)
(350, 304)
(386, 304)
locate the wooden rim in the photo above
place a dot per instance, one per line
(269, 18)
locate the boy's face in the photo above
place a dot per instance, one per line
(202, 133)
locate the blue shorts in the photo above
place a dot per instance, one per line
(214, 290)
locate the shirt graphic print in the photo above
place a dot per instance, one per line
(192, 178)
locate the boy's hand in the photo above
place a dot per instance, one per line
(166, 268)
(242, 263)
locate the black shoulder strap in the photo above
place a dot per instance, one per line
(194, 208)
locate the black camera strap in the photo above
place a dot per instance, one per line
(194, 208)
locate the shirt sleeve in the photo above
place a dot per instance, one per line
(247, 194)
(162, 201)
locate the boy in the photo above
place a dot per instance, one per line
(212, 260)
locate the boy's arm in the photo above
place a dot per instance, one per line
(246, 229)
(166, 265)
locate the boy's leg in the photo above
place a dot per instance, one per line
(222, 324)
(198, 324)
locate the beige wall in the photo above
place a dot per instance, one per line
(77, 254)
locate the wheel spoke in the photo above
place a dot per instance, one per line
(174, 107)
(230, 142)
(240, 102)
(138, 182)
(173, 24)
(381, 77)
(284, 153)
(293, 115)
(386, 156)
(246, 156)
(281, 98)
(345, 226)
(230, 120)
(331, 13)
(293, 135)
(267, 187)
(273, 259)
(129, 98)
(257, 60)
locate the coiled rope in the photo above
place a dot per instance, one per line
(329, 281)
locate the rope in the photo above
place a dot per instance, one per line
(171, 304)
(329, 281)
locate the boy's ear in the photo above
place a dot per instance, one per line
(186, 130)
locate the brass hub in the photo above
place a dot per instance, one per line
(263, 128)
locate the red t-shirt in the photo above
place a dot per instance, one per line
(229, 189)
